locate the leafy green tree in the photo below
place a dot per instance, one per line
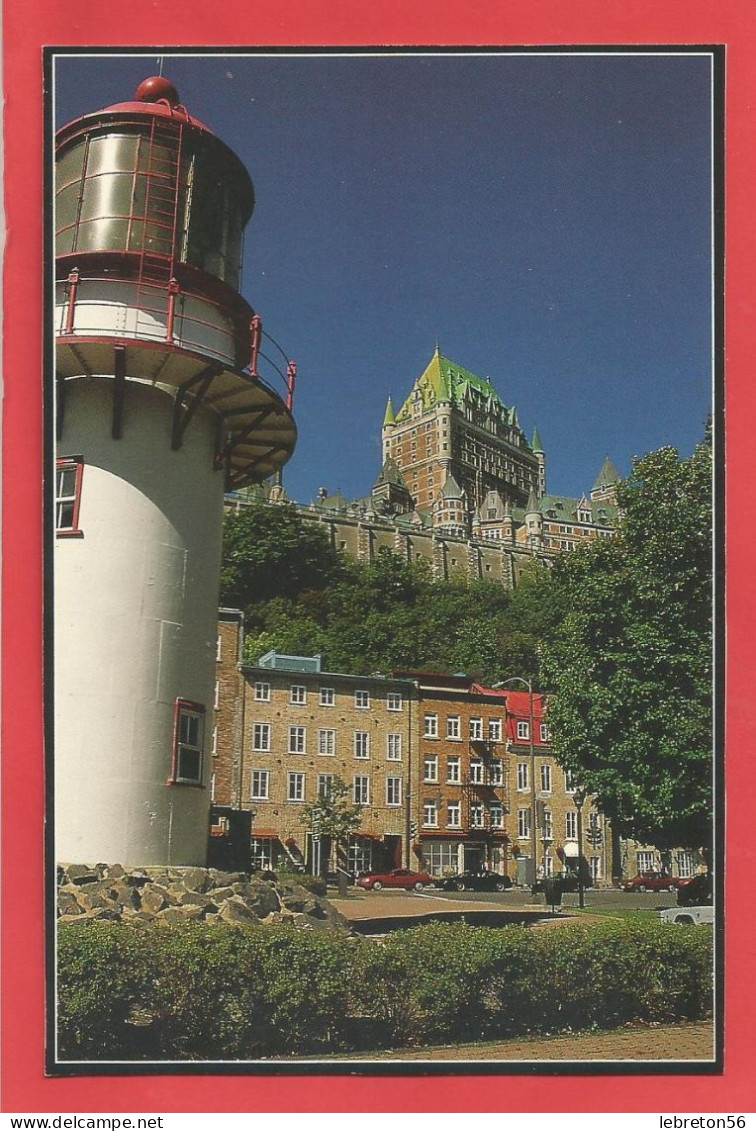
(334, 815)
(630, 666)
(272, 552)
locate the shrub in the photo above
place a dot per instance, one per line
(198, 991)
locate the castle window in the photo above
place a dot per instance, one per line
(262, 692)
(188, 741)
(68, 476)
(327, 697)
(362, 700)
(298, 694)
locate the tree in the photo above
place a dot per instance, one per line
(333, 815)
(630, 667)
(271, 552)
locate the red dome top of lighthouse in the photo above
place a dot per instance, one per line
(156, 88)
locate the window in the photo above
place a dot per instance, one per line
(296, 788)
(548, 865)
(298, 694)
(216, 699)
(494, 730)
(476, 815)
(212, 787)
(260, 785)
(522, 776)
(645, 861)
(68, 476)
(430, 769)
(497, 815)
(496, 771)
(546, 778)
(523, 729)
(545, 733)
(548, 825)
(361, 744)
(297, 739)
(393, 791)
(595, 866)
(523, 823)
(362, 700)
(453, 771)
(394, 701)
(430, 814)
(477, 771)
(431, 726)
(325, 785)
(453, 727)
(326, 742)
(394, 747)
(262, 692)
(476, 730)
(188, 741)
(454, 815)
(570, 826)
(360, 856)
(441, 858)
(261, 852)
(219, 647)
(261, 738)
(361, 790)
(327, 697)
(215, 742)
(569, 782)
(685, 865)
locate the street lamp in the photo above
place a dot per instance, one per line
(533, 838)
(579, 799)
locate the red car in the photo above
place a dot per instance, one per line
(651, 881)
(399, 878)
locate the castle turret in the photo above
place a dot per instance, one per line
(605, 488)
(160, 408)
(540, 455)
(533, 522)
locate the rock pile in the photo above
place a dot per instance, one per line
(163, 896)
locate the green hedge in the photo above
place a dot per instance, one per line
(210, 992)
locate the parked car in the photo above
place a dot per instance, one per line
(567, 881)
(475, 881)
(698, 890)
(651, 881)
(398, 878)
(688, 916)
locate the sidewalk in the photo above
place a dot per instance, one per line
(692, 1041)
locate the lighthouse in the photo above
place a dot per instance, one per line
(160, 408)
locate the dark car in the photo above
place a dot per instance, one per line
(475, 881)
(565, 881)
(698, 890)
(651, 881)
(398, 878)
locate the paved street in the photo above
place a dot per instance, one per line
(361, 904)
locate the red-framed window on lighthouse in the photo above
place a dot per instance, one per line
(188, 743)
(69, 471)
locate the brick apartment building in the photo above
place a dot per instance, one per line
(285, 729)
(443, 768)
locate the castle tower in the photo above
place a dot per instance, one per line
(534, 523)
(540, 455)
(454, 423)
(159, 408)
(604, 490)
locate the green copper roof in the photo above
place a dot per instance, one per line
(608, 475)
(445, 382)
(389, 418)
(536, 444)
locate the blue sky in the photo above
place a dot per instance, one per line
(546, 219)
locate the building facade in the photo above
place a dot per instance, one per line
(285, 729)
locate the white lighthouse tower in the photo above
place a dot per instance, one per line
(159, 410)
